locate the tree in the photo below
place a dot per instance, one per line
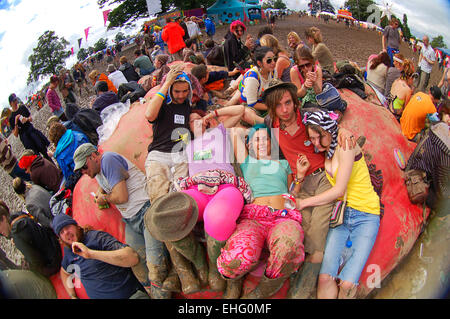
(358, 8)
(129, 11)
(48, 56)
(119, 37)
(438, 42)
(82, 54)
(100, 44)
(405, 28)
(275, 4)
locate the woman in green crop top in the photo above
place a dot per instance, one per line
(401, 89)
(265, 221)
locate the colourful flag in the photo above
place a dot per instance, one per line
(86, 32)
(79, 42)
(105, 15)
(71, 49)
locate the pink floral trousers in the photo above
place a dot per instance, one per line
(257, 224)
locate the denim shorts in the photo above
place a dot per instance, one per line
(361, 229)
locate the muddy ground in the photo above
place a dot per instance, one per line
(416, 276)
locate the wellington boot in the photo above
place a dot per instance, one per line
(303, 284)
(193, 251)
(172, 282)
(234, 288)
(215, 280)
(159, 293)
(157, 273)
(266, 288)
(189, 283)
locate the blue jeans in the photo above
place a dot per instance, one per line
(391, 51)
(361, 229)
(148, 248)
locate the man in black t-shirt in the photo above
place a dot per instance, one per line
(168, 111)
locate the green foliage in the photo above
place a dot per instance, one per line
(274, 4)
(100, 44)
(119, 37)
(82, 54)
(405, 27)
(129, 11)
(438, 42)
(358, 8)
(48, 56)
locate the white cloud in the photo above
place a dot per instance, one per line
(22, 24)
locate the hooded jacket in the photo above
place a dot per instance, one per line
(44, 173)
(37, 202)
(234, 50)
(65, 149)
(129, 72)
(173, 34)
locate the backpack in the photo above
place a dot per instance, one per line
(217, 56)
(330, 99)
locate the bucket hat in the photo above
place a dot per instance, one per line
(171, 217)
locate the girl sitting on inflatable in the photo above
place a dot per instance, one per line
(212, 181)
(283, 63)
(256, 80)
(265, 220)
(401, 90)
(307, 76)
(349, 176)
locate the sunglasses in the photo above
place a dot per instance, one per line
(270, 60)
(239, 31)
(306, 65)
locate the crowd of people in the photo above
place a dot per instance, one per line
(221, 190)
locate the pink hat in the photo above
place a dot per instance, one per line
(237, 23)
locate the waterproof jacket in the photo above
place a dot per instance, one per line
(173, 34)
(103, 77)
(38, 244)
(44, 173)
(234, 50)
(129, 72)
(66, 148)
(210, 27)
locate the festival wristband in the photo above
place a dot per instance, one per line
(162, 96)
(217, 114)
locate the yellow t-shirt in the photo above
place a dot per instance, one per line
(360, 193)
(415, 113)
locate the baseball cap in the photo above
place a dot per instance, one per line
(81, 154)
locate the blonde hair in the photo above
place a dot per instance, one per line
(408, 69)
(315, 34)
(294, 35)
(93, 75)
(270, 41)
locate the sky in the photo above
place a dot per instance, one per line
(23, 21)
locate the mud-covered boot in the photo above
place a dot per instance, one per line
(215, 280)
(189, 282)
(172, 282)
(304, 282)
(234, 288)
(159, 293)
(266, 288)
(193, 251)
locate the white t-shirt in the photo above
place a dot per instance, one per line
(429, 53)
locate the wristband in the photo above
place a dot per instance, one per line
(162, 96)
(298, 180)
(215, 112)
